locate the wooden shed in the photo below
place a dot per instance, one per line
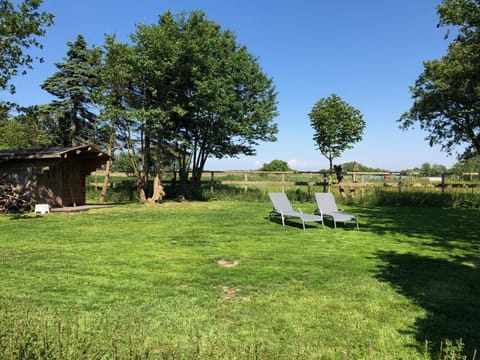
(51, 176)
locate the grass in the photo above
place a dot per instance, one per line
(151, 281)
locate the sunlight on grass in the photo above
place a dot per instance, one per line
(216, 278)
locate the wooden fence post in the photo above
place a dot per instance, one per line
(174, 181)
(212, 181)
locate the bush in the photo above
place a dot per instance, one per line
(276, 165)
(418, 198)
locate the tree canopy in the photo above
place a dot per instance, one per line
(190, 91)
(276, 165)
(73, 85)
(26, 130)
(470, 165)
(447, 94)
(336, 125)
(19, 31)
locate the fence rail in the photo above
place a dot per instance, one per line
(351, 182)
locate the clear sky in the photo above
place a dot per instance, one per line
(367, 52)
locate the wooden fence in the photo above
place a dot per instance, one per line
(350, 183)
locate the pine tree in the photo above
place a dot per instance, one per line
(73, 85)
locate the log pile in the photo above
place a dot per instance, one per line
(11, 201)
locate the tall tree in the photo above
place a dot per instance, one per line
(447, 94)
(117, 98)
(19, 31)
(195, 93)
(336, 125)
(216, 99)
(73, 84)
(128, 103)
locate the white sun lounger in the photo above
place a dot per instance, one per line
(326, 206)
(282, 208)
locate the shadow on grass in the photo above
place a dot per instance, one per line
(23, 216)
(291, 222)
(447, 229)
(447, 287)
(448, 291)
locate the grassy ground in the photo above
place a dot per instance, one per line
(217, 280)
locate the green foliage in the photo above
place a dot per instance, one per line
(406, 198)
(452, 350)
(428, 169)
(354, 166)
(446, 95)
(73, 84)
(191, 89)
(122, 162)
(124, 191)
(21, 27)
(423, 199)
(470, 165)
(26, 130)
(466, 201)
(276, 165)
(336, 126)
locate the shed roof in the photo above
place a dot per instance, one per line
(51, 153)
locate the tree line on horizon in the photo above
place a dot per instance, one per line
(471, 165)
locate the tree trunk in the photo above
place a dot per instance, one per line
(158, 192)
(196, 179)
(183, 172)
(106, 181)
(108, 166)
(141, 191)
(140, 176)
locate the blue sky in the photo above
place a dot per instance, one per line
(367, 52)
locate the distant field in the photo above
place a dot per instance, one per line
(217, 280)
(289, 179)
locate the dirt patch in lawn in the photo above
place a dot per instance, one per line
(227, 264)
(229, 293)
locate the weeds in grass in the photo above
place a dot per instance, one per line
(423, 198)
(29, 334)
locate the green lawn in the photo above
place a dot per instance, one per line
(152, 280)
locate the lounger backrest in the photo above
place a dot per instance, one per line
(326, 202)
(280, 202)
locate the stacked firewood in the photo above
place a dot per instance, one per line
(11, 201)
